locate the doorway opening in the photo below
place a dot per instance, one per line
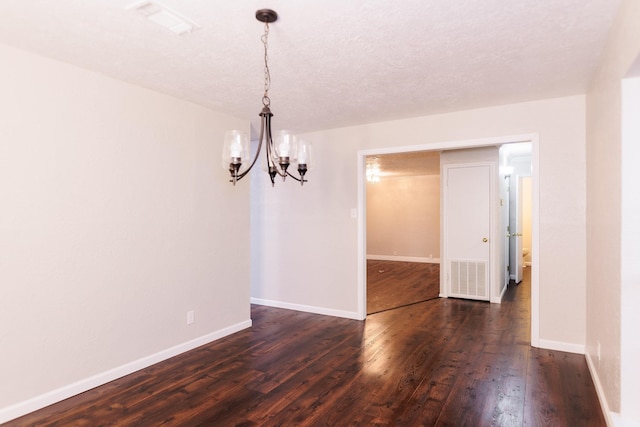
(517, 194)
(366, 155)
(403, 229)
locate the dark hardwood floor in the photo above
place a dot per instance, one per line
(444, 362)
(393, 284)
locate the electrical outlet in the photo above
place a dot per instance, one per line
(190, 317)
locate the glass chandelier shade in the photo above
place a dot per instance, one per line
(286, 145)
(282, 151)
(235, 152)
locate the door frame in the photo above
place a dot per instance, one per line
(452, 145)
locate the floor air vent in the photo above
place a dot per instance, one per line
(469, 279)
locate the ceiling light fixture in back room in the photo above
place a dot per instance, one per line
(286, 149)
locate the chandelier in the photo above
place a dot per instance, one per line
(282, 151)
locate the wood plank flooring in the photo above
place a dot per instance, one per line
(444, 362)
(393, 284)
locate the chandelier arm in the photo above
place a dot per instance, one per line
(255, 158)
(295, 177)
(301, 180)
(272, 170)
(275, 164)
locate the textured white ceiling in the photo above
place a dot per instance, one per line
(334, 63)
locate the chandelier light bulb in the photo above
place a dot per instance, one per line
(236, 149)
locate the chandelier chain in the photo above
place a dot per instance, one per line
(266, 101)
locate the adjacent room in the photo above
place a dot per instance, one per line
(403, 229)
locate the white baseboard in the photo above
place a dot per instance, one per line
(562, 346)
(22, 408)
(403, 258)
(498, 299)
(307, 308)
(612, 418)
(617, 420)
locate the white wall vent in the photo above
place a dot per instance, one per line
(468, 279)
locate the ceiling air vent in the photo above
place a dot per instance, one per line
(164, 16)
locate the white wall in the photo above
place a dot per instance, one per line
(303, 237)
(403, 218)
(116, 220)
(313, 226)
(612, 167)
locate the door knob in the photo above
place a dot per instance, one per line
(485, 240)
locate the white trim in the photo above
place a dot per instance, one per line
(610, 417)
(535, 242)
(362, 238)
(562, 346)
(307, 308)
(422, 259)
(498, 299)
(22, 408)
(629, 246)
(618, 421)
(451, 145)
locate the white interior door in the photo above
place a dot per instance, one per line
(517, 236)
(506, 230)
(467, 231)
